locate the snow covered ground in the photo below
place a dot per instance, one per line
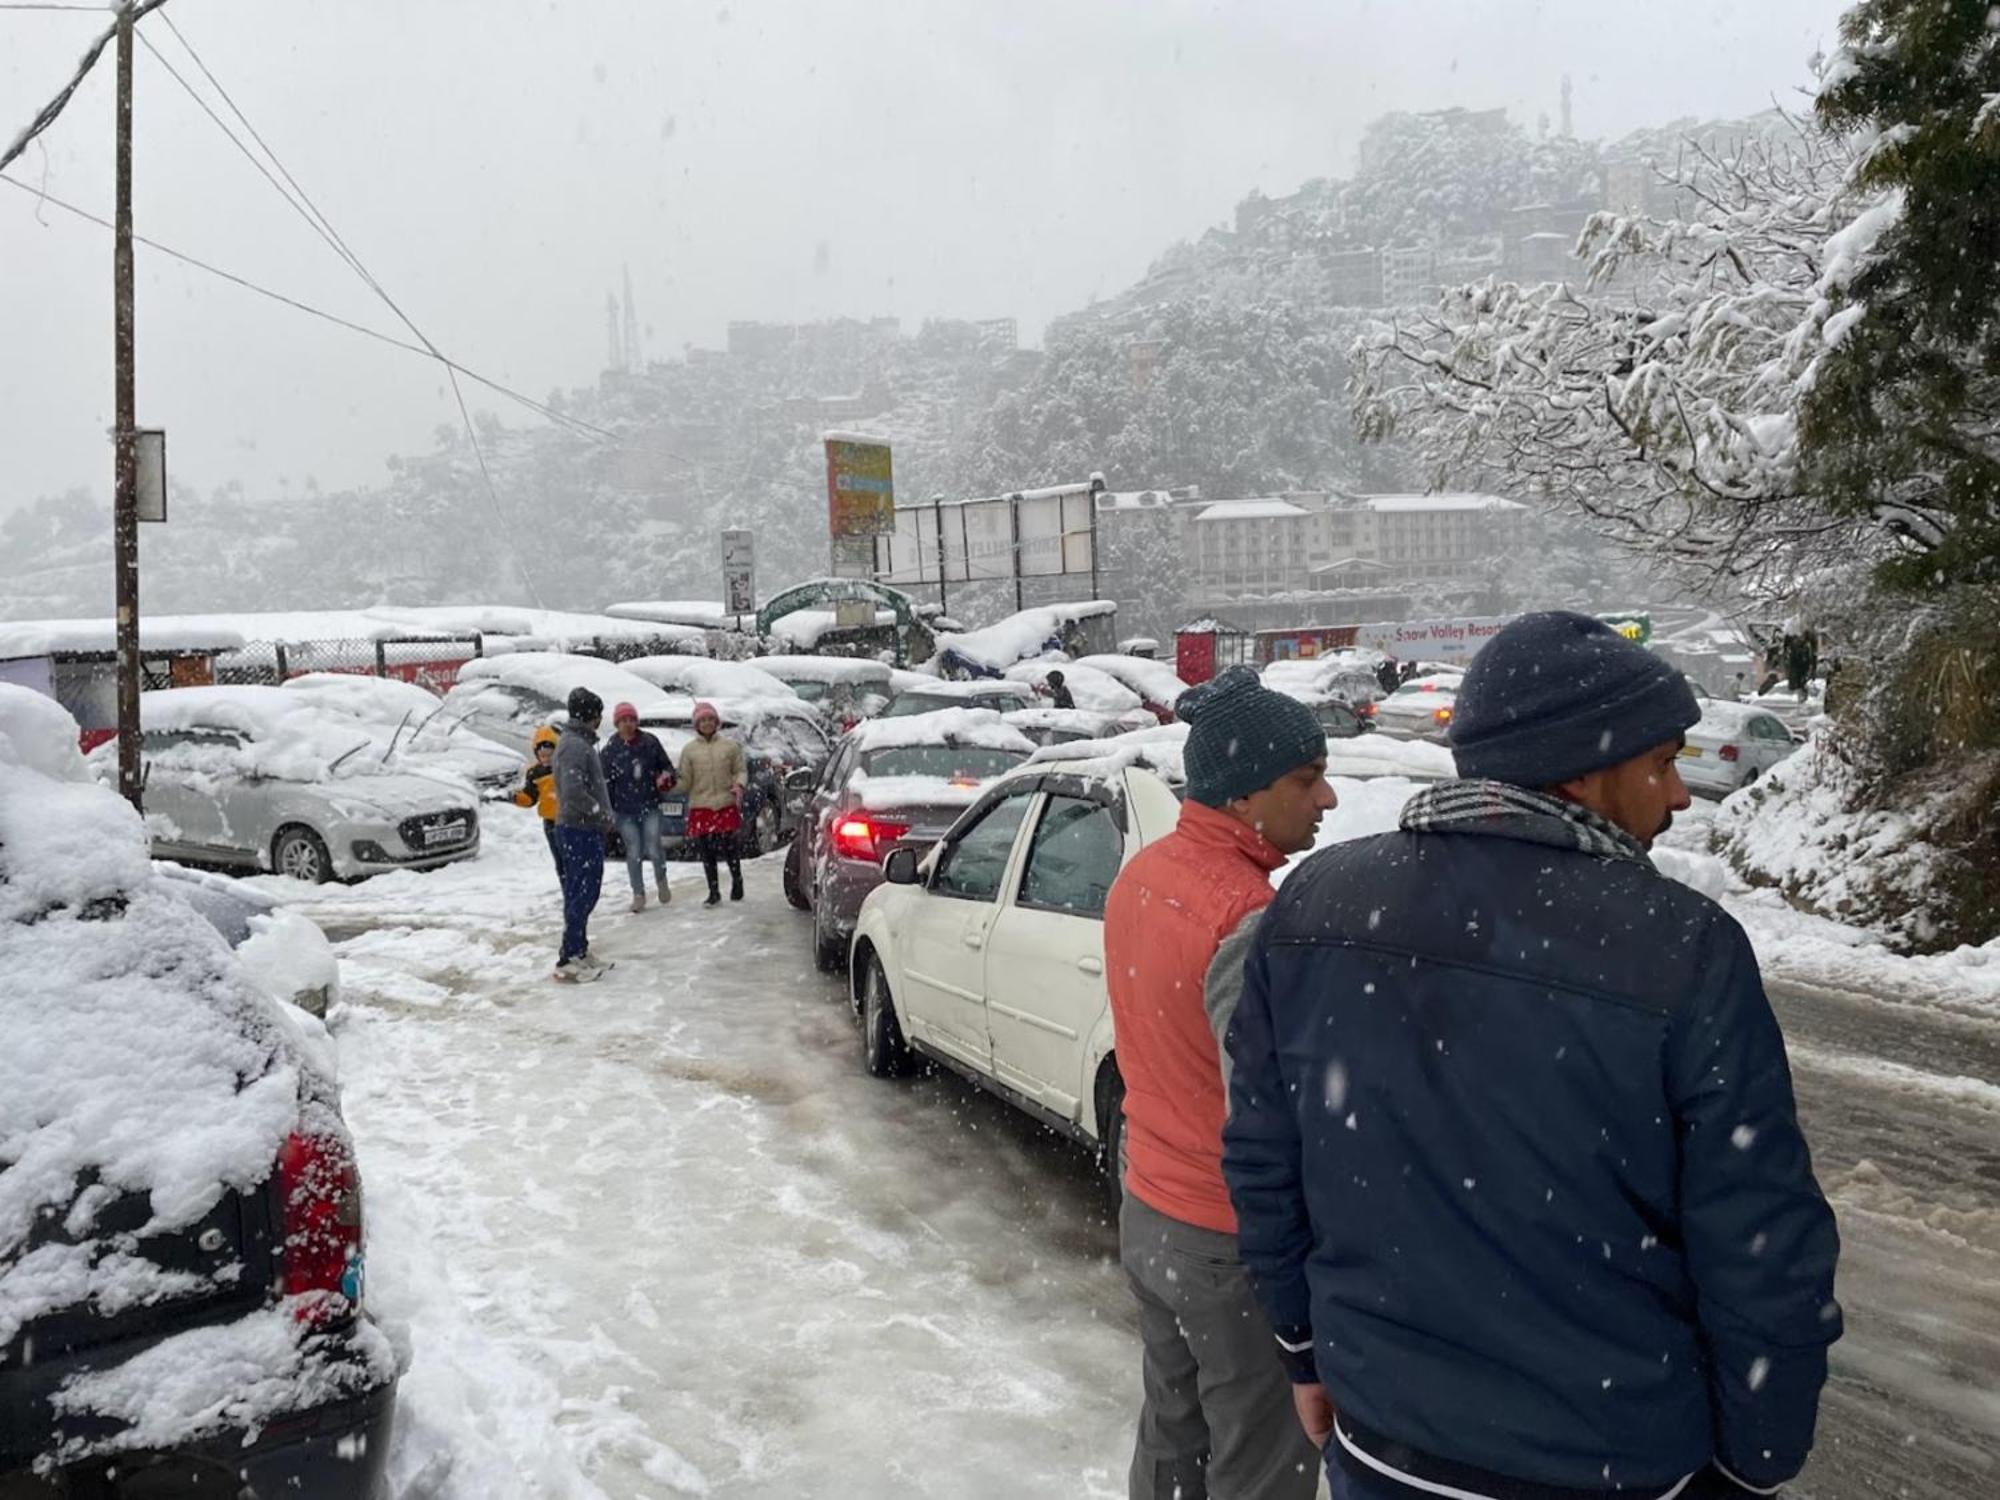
(661, 1237)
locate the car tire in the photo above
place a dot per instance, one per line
(885, 1053)
(1111, 1139)
(764, 828)
(300, 853)
(795, 885)
(829, 952)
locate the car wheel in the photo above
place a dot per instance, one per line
(884, 1052)
(829, 952)
(795, 885)
(1111, 1139)
(300, 853)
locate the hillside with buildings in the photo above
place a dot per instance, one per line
(1218, 381)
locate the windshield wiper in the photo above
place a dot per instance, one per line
(344, 756)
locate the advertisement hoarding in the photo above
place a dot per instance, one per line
(739, 570)
(860, 486)
(1032, 534)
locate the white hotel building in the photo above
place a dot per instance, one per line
(1311, 542)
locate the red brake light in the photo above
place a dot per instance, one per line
(1442, 715)
(1728, 752)
(1366, 710)
(865, 838)
(320, 1264)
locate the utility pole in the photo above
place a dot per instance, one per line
(125, 543)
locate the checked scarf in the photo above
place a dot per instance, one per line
(1498, 807)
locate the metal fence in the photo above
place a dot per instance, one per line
(429, 661)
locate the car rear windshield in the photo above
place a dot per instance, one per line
(946, 762)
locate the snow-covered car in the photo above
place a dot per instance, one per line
(1061, 726)
(996, 694)
(1344, 676)
(988, 955)
(1420, 709)
(1159, 687)
(1088, 687)
(181, 1235)
(426, 736)
(739, 681)
(1731, 746)
(284, 950)
(263, 778)
(893, 783)
(847, 689)
(781, 738)
(507, 698)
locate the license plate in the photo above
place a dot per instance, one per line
(1692, 752)
(435, 836)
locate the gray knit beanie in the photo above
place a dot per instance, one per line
(1242, 737)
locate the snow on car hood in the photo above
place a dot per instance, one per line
(398, 794)
(138, 1051)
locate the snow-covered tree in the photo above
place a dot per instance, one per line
(1657, 394)
(1903, 419)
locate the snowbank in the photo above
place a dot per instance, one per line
(1155, 681)
(1797, 829)
(161, 633)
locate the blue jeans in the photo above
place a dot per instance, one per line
(582, 878)
(555, 844)
(641, 833)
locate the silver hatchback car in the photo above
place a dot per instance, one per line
(263, 778)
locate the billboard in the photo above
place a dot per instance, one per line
(1032, 534)
(739, 568)
(860, 486)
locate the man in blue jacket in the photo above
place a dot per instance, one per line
(1511, 1142)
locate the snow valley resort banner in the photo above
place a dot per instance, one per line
(860, 488)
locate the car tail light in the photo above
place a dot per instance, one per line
(1728, 752)
(1366, 710)
(321, 1262)
(866, 838)
(1442, 715)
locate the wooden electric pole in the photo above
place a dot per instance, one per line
(125, 542)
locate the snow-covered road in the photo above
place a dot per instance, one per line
(661, 1236)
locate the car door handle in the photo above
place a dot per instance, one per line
(973, 939)
(1091, 965)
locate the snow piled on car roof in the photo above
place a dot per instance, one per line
(709, 679)
(1157, 680)
(824, 669)
(554, 673)
(1088, 686)
(948, 726)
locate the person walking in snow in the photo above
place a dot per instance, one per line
(1059, 694)
(583, 817)
(1511, 1138)
(639, 773)
(538, 789)
(715, 774)
(1217, 1418)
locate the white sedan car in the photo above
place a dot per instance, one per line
(989, 955)
(1732, 745)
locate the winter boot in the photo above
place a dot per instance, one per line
(638, 901)
(714, 895)
(666, 893)
(735, 883)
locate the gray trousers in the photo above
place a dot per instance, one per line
(1218, 1419)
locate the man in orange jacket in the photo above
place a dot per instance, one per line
(1218, 1417)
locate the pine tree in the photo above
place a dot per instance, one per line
(1902, 421)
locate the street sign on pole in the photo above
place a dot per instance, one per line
(152, 499)
(739, 571)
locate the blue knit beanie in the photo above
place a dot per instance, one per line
(1242, 737)
(1558, 695)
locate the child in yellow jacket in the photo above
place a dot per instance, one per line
(538, 790)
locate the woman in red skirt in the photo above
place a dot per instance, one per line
(714, 772)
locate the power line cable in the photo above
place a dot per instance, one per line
(46, 116)
(248, 285)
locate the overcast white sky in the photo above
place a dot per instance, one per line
(496, 162)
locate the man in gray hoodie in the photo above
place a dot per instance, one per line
(583, 817)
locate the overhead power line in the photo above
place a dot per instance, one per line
(248, 285)
(48, 112)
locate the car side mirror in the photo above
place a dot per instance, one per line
(900, 868)
(802, 781)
